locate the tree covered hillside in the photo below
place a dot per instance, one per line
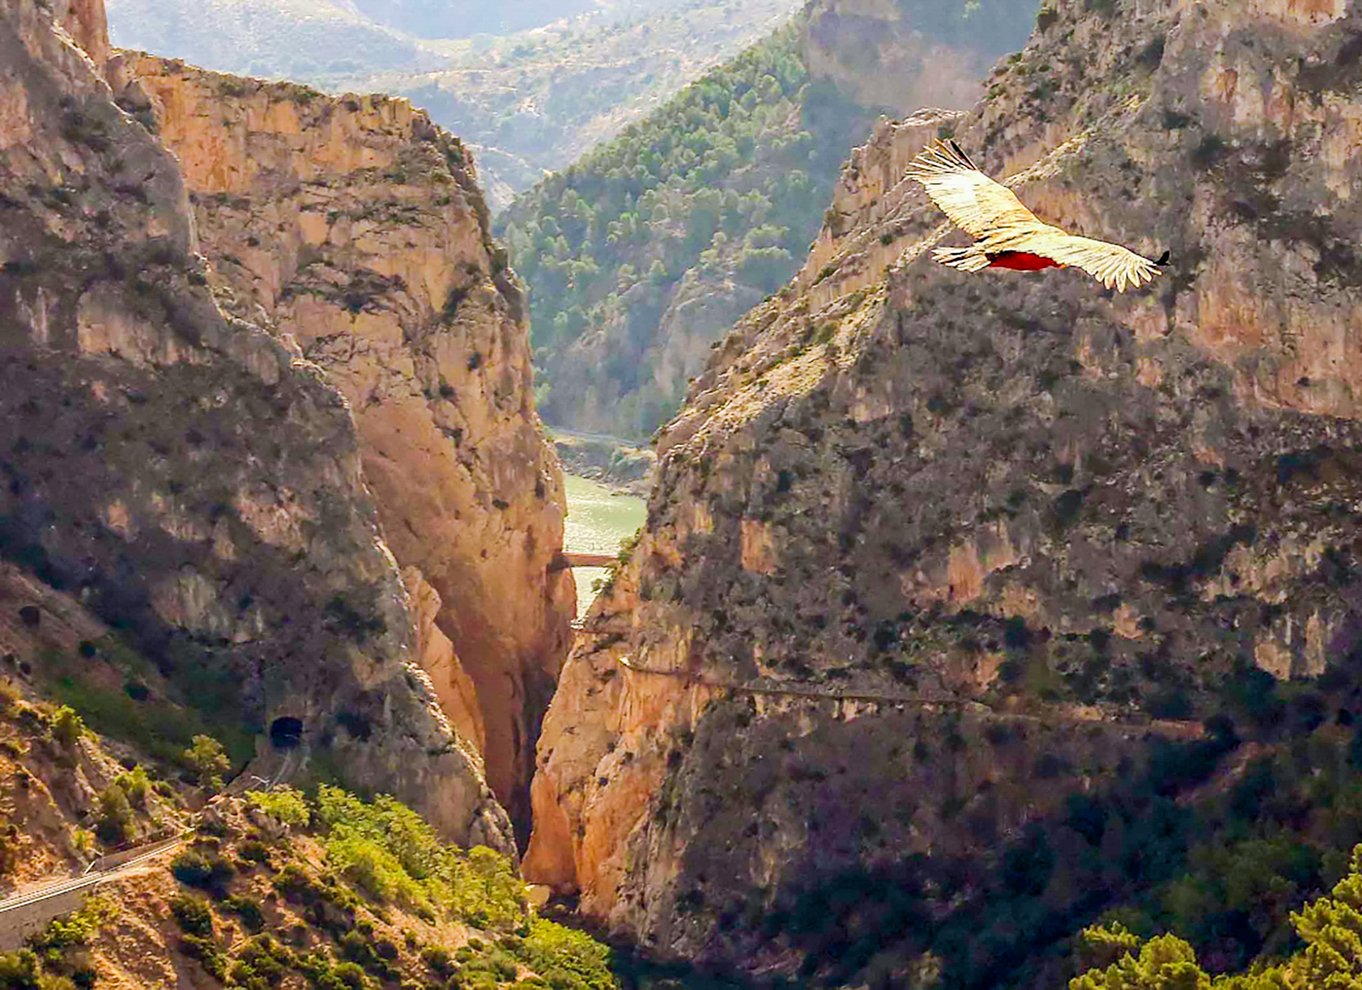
(641, 255)
(716, 195)
(1329, 931)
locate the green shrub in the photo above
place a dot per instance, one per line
(19, 970)
(67, 727)
(76, 928)
(114, 824)
(206, 869)
(206, 951)
(262, 963)
(136, 785)
(254, 851)
(9, 695)
(375, 870)
(329, 905)
(327, 974)
(208, 761)
(193, 914)
(568, 959)
(247, 909)
(365, 952)
(393, 854)
(9, 848)
(296, 885)
(438, 959)
(283, 804)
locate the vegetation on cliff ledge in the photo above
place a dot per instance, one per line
(354, 893)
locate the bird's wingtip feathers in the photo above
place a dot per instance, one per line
(938, 158)
(963, 157)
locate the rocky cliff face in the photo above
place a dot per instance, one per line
(355, 227)
(900, 55)
(930, 552)
(85, 22)
(191, 479)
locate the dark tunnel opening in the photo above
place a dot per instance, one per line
(286, 732)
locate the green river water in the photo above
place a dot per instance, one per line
(598, 520)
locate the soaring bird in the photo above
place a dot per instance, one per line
(1007, 234)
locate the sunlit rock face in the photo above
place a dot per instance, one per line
(355, 227)
(1022, 491)
(194, 481)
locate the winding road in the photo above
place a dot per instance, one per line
(26, 911)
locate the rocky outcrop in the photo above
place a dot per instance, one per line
(612, 462)
(355, 227)
(1068, 523)
(85, 22)
(191, 479)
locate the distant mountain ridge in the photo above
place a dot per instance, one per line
(530, 86)
(466, 18)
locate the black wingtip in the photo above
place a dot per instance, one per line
(961, 152)
(1163, 258)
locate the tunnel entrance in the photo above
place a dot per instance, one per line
(286, 732)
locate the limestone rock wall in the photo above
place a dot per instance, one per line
(904, 54)
(1023, 493)
(188, 477)
(355, 227)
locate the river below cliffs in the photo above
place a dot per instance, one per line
(598, 520)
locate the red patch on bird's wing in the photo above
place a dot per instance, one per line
(1021, 261)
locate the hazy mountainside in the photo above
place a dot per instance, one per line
(195, 481)
(532, 94)
(902, 55)
(536, 102)
(641, 254)
(466, 18)
(307, 40)
(356, 228)
(906, 676)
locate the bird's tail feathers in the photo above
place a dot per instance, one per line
(966, 259)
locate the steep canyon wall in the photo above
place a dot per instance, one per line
(355, 227)
(1066, 521)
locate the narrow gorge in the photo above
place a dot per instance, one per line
(980, 627)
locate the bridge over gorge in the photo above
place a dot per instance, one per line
(566, 560)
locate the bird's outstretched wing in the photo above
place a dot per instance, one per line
(1114, 266)
(974, 202)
